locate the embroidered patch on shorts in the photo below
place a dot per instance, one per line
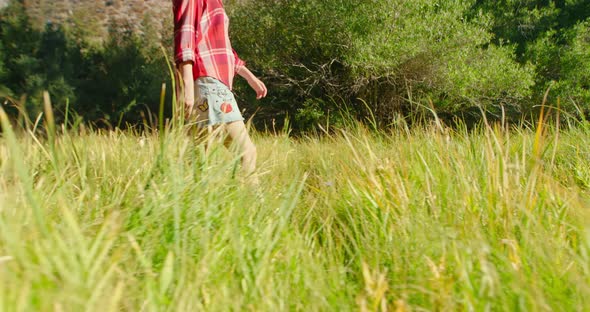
(226, 108)
(204, 107)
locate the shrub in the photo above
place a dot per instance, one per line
(120, 80)
(574, 84)
(325, 61)
(430, 51)
(19, 44)
(109, 83)
(549, 34)
(394, 54)
(563, 60)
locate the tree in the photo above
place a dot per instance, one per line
(23, 72)
(395, 55)
(549, 34)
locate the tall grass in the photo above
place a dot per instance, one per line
(412, 220)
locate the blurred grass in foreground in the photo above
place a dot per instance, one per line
(425, 219)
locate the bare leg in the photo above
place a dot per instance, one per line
(238, 133)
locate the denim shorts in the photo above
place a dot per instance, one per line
(215, 103)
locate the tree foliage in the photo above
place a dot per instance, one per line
(552, 35)
(110, 83)
(395, 55)
(324, 61)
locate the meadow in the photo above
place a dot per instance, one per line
(420, 219)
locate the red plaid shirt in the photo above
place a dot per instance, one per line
(201, 36)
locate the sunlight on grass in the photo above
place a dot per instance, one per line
(424, 219)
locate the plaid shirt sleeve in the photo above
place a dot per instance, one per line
(239, 62)
(185, 16)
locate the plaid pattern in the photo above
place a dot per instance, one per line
(201, 36)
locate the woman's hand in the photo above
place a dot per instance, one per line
(258, 86)
(188, 86)
(254, 82)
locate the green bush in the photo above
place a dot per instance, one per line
(19, 44)
(121, 80)
(297, 47)
(2, 68)
(110, 83)
(520, 21)
(35, 61)
(574, 84)
(550, 35)
(325, 61)
(563, 60)
(430, 51)
(396, 55)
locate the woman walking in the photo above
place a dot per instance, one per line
(207, 65)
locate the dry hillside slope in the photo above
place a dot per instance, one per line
(94, 18)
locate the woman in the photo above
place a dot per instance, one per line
(207, 65)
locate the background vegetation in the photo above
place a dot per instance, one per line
(108, 79)
(382, 60)
(404, 217)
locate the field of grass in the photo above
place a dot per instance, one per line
(411, 220)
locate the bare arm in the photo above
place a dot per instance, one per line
(186, 13)
(253, 81)
(188, 85)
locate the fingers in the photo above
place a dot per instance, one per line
(265, 89)
(261, 90)
(258, 87)
(188, 109)
(187, 113)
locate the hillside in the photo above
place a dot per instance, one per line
(95, 17)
